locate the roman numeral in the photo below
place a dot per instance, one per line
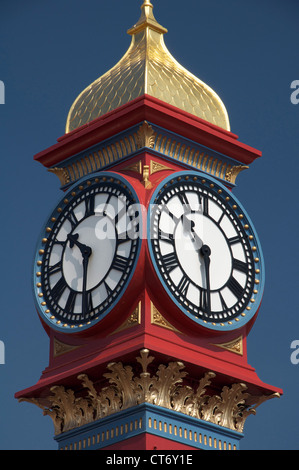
(170, 261)
(183, 285)
(171, 215)
(120, 263)
(235, 287)
(70, 303)
(166, 237)
(204, 301)
(120, 214)
(89, 205)
(56, 268)
(234, 240)
(108, 289)
(107, 204)
(184, 201)
(205, 207)
(240, 266)
(87, 305)
(72, 219)
(58, 289)
(224, 306)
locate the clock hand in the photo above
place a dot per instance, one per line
(73, 239)
(189, 226)
(206, 252)
(86, 252)
(84, 293)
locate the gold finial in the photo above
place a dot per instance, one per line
(147, 19)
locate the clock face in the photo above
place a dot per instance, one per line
(205, 251)
(87, 253)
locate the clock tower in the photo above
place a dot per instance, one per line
(149, 273)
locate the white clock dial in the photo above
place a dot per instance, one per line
(89, 253)
(203, 248)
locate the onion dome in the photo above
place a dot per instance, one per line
(147, 68)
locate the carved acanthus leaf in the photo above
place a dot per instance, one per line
(165, 388)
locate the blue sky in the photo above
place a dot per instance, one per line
(248, 53)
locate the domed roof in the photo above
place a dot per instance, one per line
(147, 68)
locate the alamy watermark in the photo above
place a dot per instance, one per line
(2, 92)
(295, 94)
(295, 354)
(2, 353)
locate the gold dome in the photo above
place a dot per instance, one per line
(147, 68)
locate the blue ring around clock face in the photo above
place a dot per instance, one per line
(205, 251)
(87, 252)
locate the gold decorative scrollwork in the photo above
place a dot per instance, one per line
(165, 388)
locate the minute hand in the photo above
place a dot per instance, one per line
(86, 252)
(206, 252)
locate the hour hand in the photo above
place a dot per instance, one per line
(73, 239)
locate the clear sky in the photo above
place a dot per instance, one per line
(247, 51)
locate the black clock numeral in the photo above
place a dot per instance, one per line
(170, 261)
(72, 219)
(107, 204)
(70, 303)
(55, 268)
(240, 266)
(183, 285)
(165, 237)
(59, 288)
(120, 214)
(120, 263)
(205, 206)
(221, 218)
(89, 205)
(204, 300)
(170, 214)
(87, 305)
(184, 201)
(235, 287)
(108, 289)
(224, 306)
(234, 240)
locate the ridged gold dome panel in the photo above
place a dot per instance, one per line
(147, 68)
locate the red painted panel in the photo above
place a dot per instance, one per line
(147, 441)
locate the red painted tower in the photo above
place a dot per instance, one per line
(149, 273)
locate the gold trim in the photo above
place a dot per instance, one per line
(234, 346)
(233, 172)
(228, 406)
(62, 174)
(158, 320)
(155, 167)
(133, 320)
(145, 136)
(60, 348)
(145, 177)
(136, 167)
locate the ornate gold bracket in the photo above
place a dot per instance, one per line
(146, 136)
(235, 346)
(233, 172)
(126, 389)
(158, 319)
(60, 348)
(133, 320)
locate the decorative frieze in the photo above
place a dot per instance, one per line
(102, 156)
(161, 385)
